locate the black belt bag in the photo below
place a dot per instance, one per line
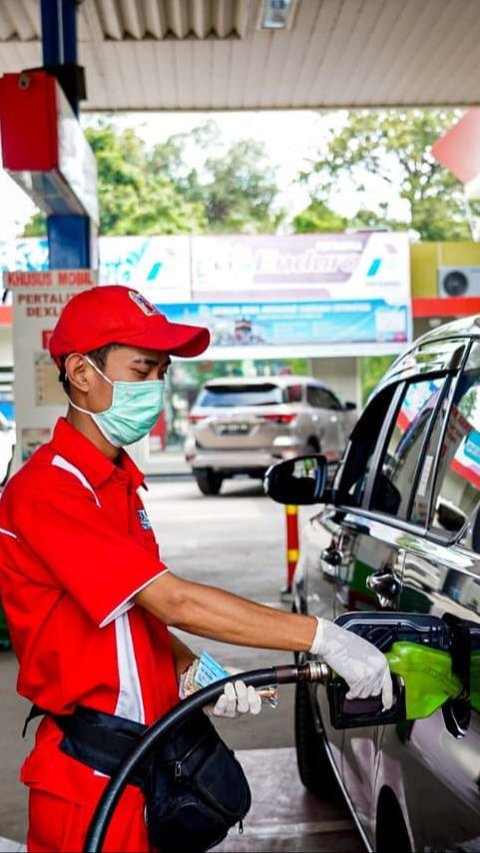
(194, 787)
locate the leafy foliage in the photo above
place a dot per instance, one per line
(318, 217)
(234, 184)
(231, 189)
(372, 368)
(135, 198)
(395, 147)
(36, 226)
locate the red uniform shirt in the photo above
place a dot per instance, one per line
(75, 547)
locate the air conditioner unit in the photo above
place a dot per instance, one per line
(458, 281)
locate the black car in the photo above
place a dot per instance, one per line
(399, 533)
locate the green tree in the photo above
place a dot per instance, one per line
(372, 368)
(395, 146)
(235, 183)
(36, 226)
(318, 217)
(133, 197)
(229, 189)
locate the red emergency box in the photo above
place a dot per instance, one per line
(43, 146)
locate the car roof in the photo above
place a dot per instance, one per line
(282, 381)
(464, 326)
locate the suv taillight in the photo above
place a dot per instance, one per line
(194, 419)
(280, 419)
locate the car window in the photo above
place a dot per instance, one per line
(312, 396)
(456, 495)
(242, 395)
(352, 475)
(397, 470)
(294, 393)
(434, 356)
(329, 401)
(424, 484)
(320, 398)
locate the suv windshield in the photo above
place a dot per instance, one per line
(242, 395)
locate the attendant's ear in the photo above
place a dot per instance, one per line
(79, 372)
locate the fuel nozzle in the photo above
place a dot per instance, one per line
(423, 656)
(311, 670)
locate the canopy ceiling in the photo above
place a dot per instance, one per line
(212, 55)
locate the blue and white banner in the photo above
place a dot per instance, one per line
(312, 290)
(272, 324)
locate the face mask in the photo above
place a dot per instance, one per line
(135, 409)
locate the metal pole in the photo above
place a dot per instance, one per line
(52, 40)
(292, 547)
(70, 237)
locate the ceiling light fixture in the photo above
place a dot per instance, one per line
(277, 14)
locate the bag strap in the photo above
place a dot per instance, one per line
(35, 711)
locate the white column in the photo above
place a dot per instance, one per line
(341, 374)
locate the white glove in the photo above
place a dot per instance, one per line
(237, 699)
(360, 663)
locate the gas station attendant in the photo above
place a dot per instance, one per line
(89, 601)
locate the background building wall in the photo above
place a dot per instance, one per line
(341, 374)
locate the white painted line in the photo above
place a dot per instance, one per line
(290, 830)
(263, 830)
(8, 846)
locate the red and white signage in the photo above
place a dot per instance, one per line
(459, 151)
(38, 300)
(50, 278)
(43, 146)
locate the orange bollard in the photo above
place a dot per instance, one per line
(291, 518)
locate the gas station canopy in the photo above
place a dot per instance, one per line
(219, 55)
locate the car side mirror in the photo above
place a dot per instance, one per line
(349, 406)
(301, 480)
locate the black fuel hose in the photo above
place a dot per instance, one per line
(310, 671)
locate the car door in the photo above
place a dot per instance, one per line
(374, 490)
(341, 416)
(438, 759)
(326, 418)
(344, 562)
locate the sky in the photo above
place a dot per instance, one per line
(290, 139)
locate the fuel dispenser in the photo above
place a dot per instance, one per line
(430, 660)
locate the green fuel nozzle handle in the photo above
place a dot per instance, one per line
(427, 676)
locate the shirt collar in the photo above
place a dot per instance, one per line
(79, 450)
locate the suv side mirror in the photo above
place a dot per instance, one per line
(349, 406)
(301, 480)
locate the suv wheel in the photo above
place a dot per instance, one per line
(209, 482)
(314, 766)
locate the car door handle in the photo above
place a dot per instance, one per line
(332, 556)
(384, 584)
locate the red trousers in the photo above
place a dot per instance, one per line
(60, 826)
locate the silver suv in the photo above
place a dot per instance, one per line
(242, 426)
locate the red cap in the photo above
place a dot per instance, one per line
(114, 314)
